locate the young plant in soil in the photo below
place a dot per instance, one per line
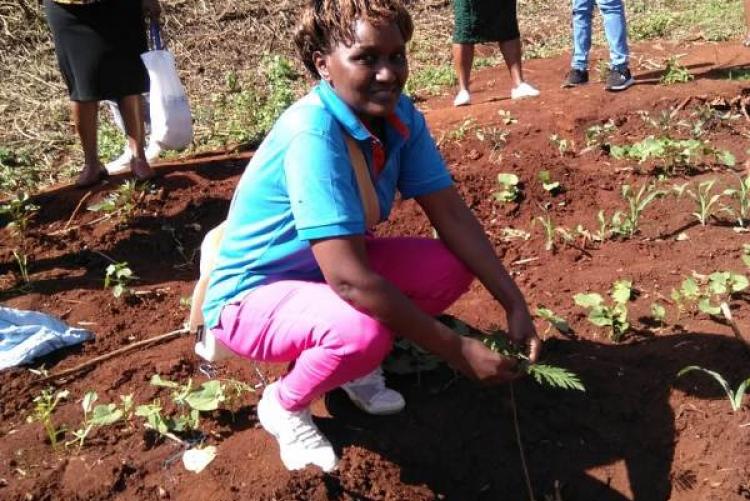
(124, 201)
(711, 293)
(741, 194)
(674, 72)
(20, 211)
(735, 397)
(614, 315)
(96, 417)
(677, 154)
(506, 117)
(705, 201)
(598, 135)
(118, 276)
(44, 409)
(544, 374)
(564, 146)
(509, 188)
(550, 230)
(746, 254)
(550, 186)
(658, 313)
(554, 320)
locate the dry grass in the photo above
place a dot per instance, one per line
(219, 45)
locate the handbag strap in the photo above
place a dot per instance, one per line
(367, 193)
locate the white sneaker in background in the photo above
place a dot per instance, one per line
(462, 98)
(122, 163)
(523, 90)
(300, 441)
(370, 394)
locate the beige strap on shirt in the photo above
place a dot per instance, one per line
(212, 240)
(364, 182)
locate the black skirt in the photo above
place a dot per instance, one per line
(481, 21)
(99, 48)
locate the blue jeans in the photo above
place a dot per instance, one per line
(615, 29)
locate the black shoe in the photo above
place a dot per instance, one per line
(619, 79)
(575, 77)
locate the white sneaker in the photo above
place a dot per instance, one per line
(462, 98)
(370, 394)
(523, 90)
(122, 163)
(300, 441)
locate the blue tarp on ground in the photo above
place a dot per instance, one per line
(26, 335)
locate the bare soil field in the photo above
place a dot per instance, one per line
(638, 432)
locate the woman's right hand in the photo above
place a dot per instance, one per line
(478, 362)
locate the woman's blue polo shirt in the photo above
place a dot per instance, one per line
(300, 186)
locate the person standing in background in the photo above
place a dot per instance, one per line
(615, 30)
(98, 44)
(482, 21)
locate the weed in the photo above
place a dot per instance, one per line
(20, 211)
(459, 133)
(564, 146)
(741, 194)
(496, 137)
(598, 135)
(654, 25)
(430, 80)
(615, 315)
(22, 260)
(101, 415)
(602, 70)
(550, 230)
(735, 397)
(506, 117)
(548, 184)
(509, 188)
(677, 154)
(705, 201)
(556, 321)
(118, 276)
(44, 408)
(674, 72)
(18, 172)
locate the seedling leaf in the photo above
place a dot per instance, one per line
(588, 300)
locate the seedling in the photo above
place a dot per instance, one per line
(549, 232)
(44, 408)
(746, 254)
(637, 203)
(674, 72)
(685, 295)
(506, 117)
(22, 260)
(556, 321)
(459, 133)
(101, 415)
(598, 135)
(496, 137)
(677, 154)
(118, 276)
(124, 200)
(548, 184)
(658, 313)
(509, 188)
(563, 145)
(721, 285)
(679, 189)
(741, 195)
(735, 397)
(705, 201)
(544, 374)
(21, 211)
(615, 315)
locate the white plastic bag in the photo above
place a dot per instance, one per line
(171, 121)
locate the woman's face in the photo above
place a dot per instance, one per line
(369, 74)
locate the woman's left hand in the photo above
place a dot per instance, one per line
(151, 8)
(522, 332)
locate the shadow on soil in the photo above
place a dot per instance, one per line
(458, 438)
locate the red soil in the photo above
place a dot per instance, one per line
(637, 433)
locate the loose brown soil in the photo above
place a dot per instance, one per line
(637, 433)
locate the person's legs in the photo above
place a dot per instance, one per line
(582, 11)
(511, 50)
(85, 119)
(463, 58)
(131, 110)
(615, 29)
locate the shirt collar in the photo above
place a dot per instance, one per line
(349, 121)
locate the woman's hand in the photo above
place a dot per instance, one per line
(522, 332)
(151, 8)
(478, 362)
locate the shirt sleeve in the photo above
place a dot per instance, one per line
(422, 170)
(321, 187)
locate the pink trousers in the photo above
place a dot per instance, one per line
(329, 341)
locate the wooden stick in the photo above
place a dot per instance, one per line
(733, 325)
(524, 466)
(78, 207)
(119, 351)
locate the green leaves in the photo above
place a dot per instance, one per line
(207, 397)
(557, 321)
(547, 183)
(603, 315)
(556, 377)
(118, 276)
(735, 397)
(509, 190)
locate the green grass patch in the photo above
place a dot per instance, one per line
(430, 80)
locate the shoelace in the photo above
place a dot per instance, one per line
(304, 431)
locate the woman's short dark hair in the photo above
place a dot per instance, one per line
(325, 23)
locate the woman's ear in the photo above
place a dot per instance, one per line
(321, 64)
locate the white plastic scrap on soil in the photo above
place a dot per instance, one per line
(196, 460)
